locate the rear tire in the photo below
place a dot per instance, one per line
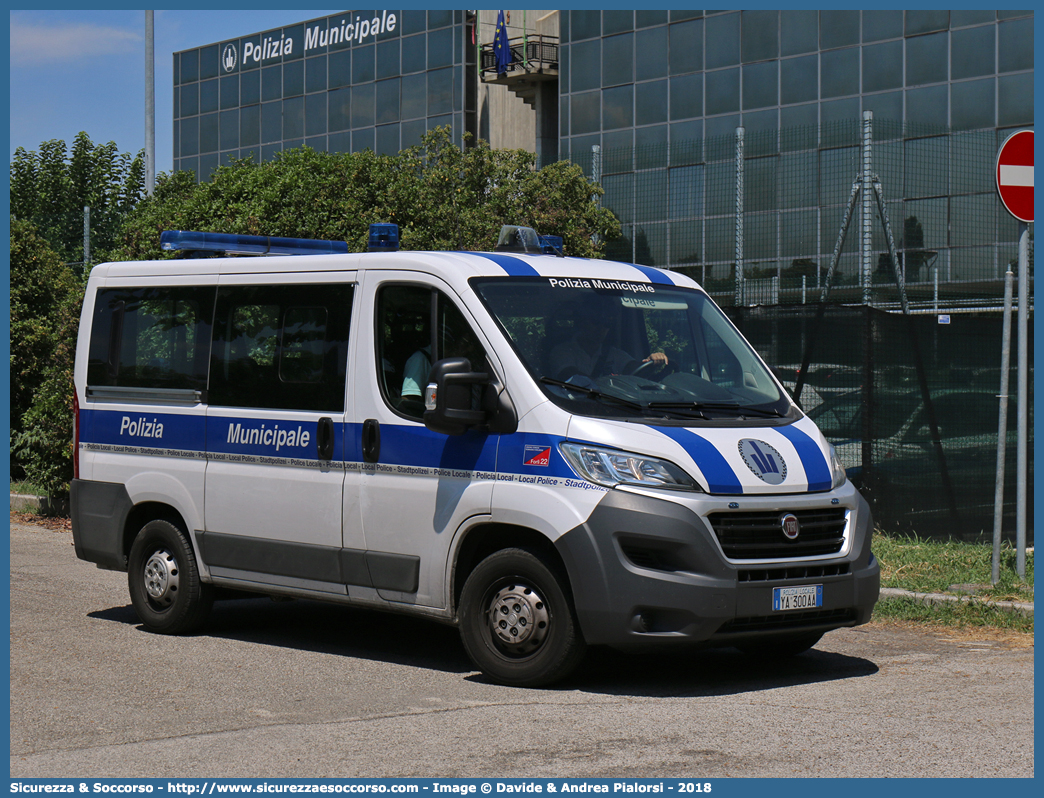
(164, 582)
(781, 647)
(517, 620)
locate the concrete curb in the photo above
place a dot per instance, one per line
(24, 503)
(1026, 608)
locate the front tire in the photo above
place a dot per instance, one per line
(517, 620)
(164, 582)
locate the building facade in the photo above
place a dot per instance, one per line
(724, 140)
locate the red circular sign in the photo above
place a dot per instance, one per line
(1015, 175)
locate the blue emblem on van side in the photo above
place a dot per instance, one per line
(767, 464)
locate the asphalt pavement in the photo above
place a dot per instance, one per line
(304, 689)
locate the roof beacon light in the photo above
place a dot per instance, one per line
(384, 237)
(552, 245)
(231, 243)
(514, 238)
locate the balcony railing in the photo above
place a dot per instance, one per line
(531, 57)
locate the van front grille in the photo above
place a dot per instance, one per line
(759, 535)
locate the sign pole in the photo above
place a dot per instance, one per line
(1014, 175)
(1023, 423)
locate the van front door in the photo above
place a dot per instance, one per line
(275, 433)
(413, 487)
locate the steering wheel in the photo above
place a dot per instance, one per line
(647, 367)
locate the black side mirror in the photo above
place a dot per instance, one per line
(448, 397)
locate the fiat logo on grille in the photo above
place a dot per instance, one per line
(790, 525)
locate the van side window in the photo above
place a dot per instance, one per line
(281, 347)
(405, 342)
(151, 337)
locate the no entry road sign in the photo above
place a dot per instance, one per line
(1015, 175)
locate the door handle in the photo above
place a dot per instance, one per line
(324, 438)
(371, 440)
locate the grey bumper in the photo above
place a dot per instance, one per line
(646, 572)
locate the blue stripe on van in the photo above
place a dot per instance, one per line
(656, 276)
(409, 445)
(720, 476)
(144, 428)
(817, 470)
(512, 265)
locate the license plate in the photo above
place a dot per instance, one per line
(797, 598)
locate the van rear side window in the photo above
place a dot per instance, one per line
(151, 337)
(281, 347)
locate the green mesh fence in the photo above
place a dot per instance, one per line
(864, 389)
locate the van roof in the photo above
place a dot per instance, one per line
(455, 268)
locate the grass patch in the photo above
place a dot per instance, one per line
(26, 488)
(928, 566)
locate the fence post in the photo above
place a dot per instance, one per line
(1023, 389)
(740, 284)
(1002, 427)
(866, 267)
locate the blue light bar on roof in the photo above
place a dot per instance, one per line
(187, 240)
(551, 245)
(384, 237)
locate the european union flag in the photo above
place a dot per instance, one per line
(501, 48)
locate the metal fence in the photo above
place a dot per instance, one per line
(923, 452)
(678, 205)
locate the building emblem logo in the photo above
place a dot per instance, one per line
(767, 464)
(229, 56)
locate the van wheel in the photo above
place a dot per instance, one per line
(517, 620)
(781, 647)
(164, 582)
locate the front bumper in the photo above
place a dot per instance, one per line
(649, 571)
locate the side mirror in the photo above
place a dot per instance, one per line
(451, 406)
(448, 398)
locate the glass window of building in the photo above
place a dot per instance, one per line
(798, 32)
(651, 47)
(839, 72)
(926, 59)
(618, 59)
(1016, 45)
(686, 46)
(838, 29)
(723, 40)
(879, 25)
(883, 66)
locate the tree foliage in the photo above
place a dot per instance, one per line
(45, 310)
(440, 195)
(51, 186)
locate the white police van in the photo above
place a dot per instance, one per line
(548, 452)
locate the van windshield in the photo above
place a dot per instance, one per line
(632, 350)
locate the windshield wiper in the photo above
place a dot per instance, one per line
(592, 392)
(718, 406)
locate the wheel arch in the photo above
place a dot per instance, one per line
(147, 511)
(485, 539)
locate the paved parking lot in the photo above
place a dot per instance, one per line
(302, 689)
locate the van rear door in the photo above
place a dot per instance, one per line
(275, 431)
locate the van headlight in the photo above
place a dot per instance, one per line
(837, 471)
(611, 467)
